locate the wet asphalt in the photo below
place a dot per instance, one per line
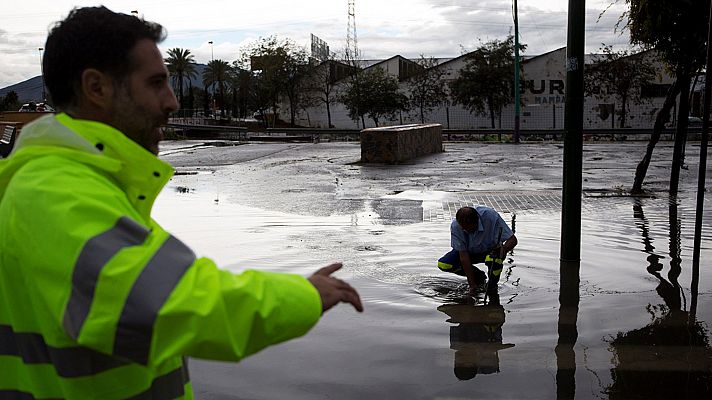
(287, 192)
(328, 178)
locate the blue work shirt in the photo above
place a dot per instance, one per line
(485, 238)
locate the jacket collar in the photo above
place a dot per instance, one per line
(139, 173)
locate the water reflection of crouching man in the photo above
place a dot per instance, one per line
(477, 338)
(478, 235)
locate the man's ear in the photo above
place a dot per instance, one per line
(97, 88)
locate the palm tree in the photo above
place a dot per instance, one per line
(217, 73)
(181, 64)
(239, 87)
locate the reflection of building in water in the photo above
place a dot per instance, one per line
(670, 357)
(477, 338)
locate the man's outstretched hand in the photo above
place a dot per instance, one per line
(332, 290)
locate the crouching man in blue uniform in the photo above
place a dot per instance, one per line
(478, 235)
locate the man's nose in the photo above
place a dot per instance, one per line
(172, 102)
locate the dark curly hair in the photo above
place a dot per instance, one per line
(91, 37)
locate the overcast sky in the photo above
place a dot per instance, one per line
(438, 28)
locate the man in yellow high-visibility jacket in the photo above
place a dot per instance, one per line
(97, 301)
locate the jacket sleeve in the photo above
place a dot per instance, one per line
(125, 287)
(218, 315)
(182, 306)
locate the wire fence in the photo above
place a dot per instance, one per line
(544, 120)
(543, 116)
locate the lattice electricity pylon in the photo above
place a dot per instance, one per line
(352, 54)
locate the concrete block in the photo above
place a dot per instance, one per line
(396, 144)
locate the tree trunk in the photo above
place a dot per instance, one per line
(206, 100)
(662, 117)
(328, 112)
(491, 110)
(235, 103)
(221, 90)
(689, 102)
(180, 90)
(680, 132)
(624, 107)
(191, 100)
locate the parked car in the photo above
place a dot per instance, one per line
(695, 122)
(36, 107)
(260, 117)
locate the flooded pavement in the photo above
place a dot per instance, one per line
(628, 325)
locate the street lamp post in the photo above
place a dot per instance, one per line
(42, 74)
(517, 94)
(212, 58)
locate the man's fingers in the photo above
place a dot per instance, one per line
(347, 293)
(333, 290)
(329, 269)
(351, 296)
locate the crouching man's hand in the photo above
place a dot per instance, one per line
(333, 290)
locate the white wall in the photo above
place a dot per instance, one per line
(543, 101)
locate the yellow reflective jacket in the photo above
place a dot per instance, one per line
(97, 301)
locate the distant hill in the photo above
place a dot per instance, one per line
(31, 89)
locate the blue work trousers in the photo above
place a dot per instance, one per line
(450, 262)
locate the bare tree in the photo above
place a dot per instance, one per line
(677, 29)
(428, 87)
(486, 83)
(621, 75)
(323, 83)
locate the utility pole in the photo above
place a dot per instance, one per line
(44, 94)
(517, 94)
(570, 259)
(351, 39)
(573, 135)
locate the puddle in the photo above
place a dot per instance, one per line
(634, 328)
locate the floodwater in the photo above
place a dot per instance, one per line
(627, 324)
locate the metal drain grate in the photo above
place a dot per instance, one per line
(539, 202)
(504, 202)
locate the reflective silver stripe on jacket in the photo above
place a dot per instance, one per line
(15, 395)
(94, 256)
(147, 296)
(69, 362)
(77, 362)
